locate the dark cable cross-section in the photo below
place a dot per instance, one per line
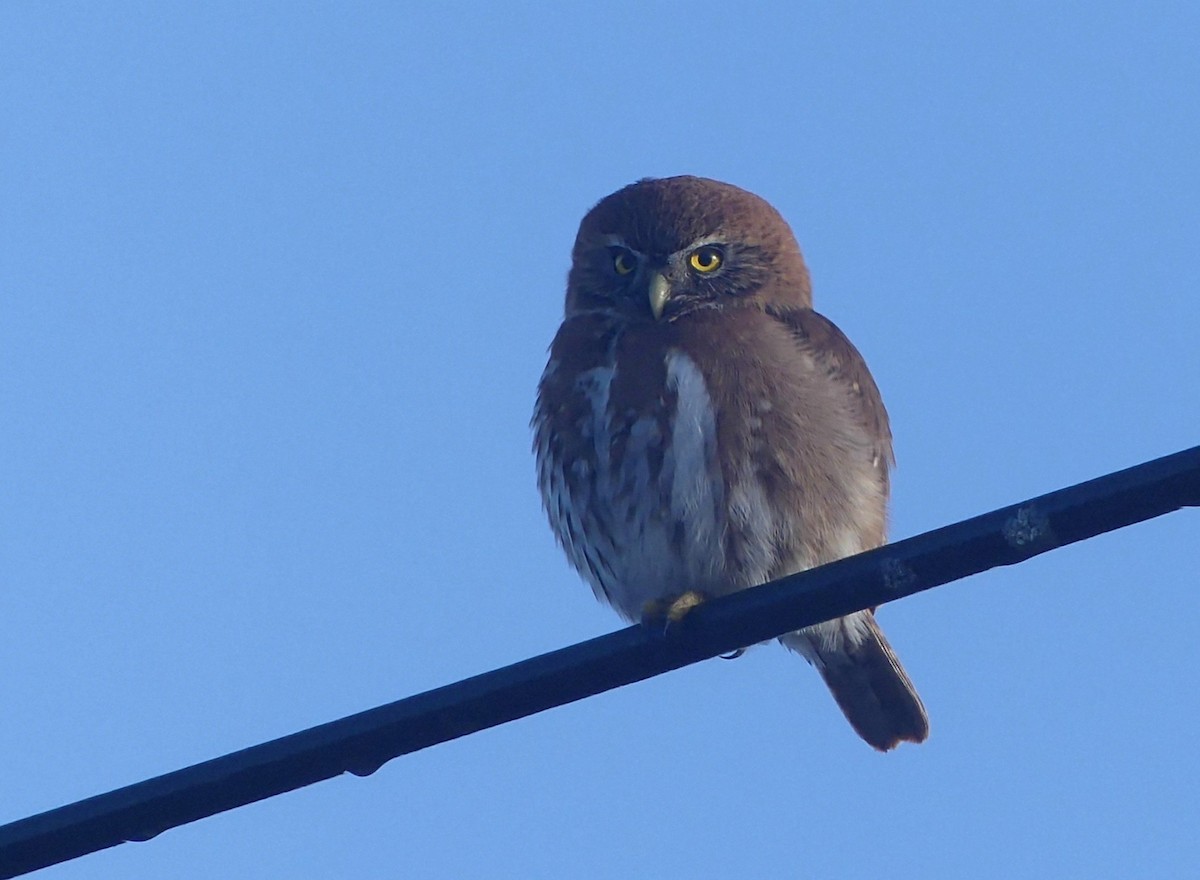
(362, 743)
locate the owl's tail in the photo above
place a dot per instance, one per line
(865, 677)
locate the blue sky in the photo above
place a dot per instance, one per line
(276, 284)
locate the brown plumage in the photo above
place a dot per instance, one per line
(700, 429)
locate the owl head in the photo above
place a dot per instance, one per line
(660, 249)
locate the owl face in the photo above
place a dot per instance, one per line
(711, 272)
(661, 249)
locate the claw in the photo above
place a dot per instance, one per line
(654, 610)
(679, 609)
(671, 611)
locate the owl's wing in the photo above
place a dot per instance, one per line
(829, 346)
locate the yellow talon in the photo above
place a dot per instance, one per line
(653, 609)
(685, 603)
(671, 610)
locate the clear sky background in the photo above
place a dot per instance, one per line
(276, 286)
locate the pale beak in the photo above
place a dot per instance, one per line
(659, 293)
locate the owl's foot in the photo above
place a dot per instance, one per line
(669, 611)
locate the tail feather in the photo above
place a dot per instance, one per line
(866, 678)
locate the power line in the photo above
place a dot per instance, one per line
(362, 743)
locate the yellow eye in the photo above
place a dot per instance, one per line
(706, 259)
(624, 261)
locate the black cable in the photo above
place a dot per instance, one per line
(362, 743)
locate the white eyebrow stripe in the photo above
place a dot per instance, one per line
(614, 239)
(707, 240)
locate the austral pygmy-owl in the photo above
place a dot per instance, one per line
(699, 429)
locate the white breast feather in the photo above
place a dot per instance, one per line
(618, 528)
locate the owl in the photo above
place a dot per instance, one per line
(700, 429)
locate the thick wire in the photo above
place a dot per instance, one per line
(362, 743)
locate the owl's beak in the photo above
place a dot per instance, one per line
(659, 291)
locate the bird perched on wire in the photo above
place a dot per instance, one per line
(699, 429)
